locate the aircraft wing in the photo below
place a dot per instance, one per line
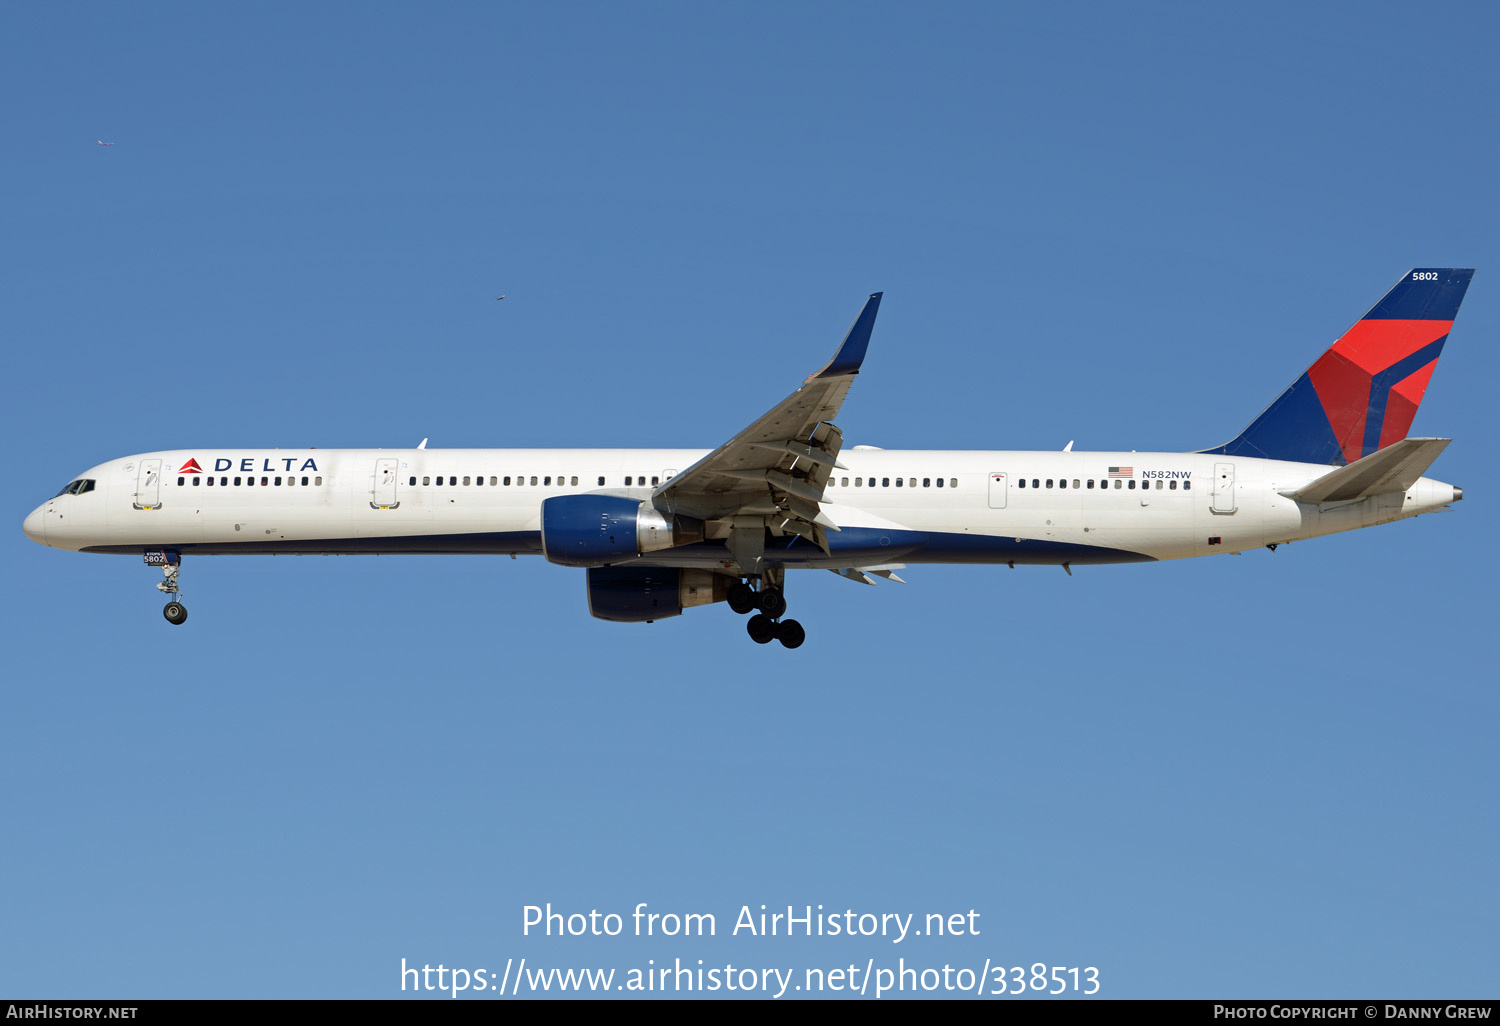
(778, 467)
(1393, 469)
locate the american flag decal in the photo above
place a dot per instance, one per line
(1121, 471)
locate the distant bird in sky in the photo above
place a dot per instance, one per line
(499, 297)
(103, 143)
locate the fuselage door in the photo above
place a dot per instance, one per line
(1223, 488)
(383, 495)
(148, 485)
(999, 484)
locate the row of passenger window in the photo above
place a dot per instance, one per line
(520, 480)
(497, 482)
(900, 482)
(640, 480)
(247, 482)
(1171, 485)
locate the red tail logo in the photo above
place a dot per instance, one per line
(191, 467)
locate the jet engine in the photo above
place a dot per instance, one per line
(597, 530)
(632, 594)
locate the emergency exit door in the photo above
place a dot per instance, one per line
(384, 492)
(999, 485)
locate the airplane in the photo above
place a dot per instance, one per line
(658, 531)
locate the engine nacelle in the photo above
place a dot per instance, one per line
(597, 530)
(636, 594)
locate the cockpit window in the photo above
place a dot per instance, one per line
(67, 489)
(77, 487)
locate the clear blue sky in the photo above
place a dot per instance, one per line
(1125, 225)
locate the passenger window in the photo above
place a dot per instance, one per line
(426, 480)
(492, 480)
(1132, 482)
(181, 481)
(654, 480)
(1158, 484)
(438, 480)
(844, 482)
(236, 482)
(453, 480)
(197, 481)
(265, 482)
(601, 480)
(1036, 483)
(926, 482)
(466, 480)
(885, 482)
(1019, 481)
(575, 480)
(858, 482)
(1173, 486)
(318, 480)
(627, 482)
(1062, 483)
(1049, 482)
(412, 481)
(1187, 486)
(533, 480)
(1119, 484)
(898, 482)
(1075, 482)
(278, 482)
(1091, 482)
(1023, 482)
(210, 484)
(912, 482)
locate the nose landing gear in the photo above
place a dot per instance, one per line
(766, 625)
(171, 566)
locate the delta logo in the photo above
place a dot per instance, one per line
(248, 465)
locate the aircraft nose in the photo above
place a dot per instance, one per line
(36, 527)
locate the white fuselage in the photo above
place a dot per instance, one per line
(890, 505)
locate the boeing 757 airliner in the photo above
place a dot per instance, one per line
(660, 530)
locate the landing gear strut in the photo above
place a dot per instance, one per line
(174, 611)
(766, 625)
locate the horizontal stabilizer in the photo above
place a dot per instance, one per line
(1393, 469)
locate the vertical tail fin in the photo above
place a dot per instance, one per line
(1362, 394)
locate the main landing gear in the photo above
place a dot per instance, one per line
(766, 625)
(174, 611)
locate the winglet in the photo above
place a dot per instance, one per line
(852, 352)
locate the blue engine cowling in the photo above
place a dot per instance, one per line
(636, 594)
(597, 530)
